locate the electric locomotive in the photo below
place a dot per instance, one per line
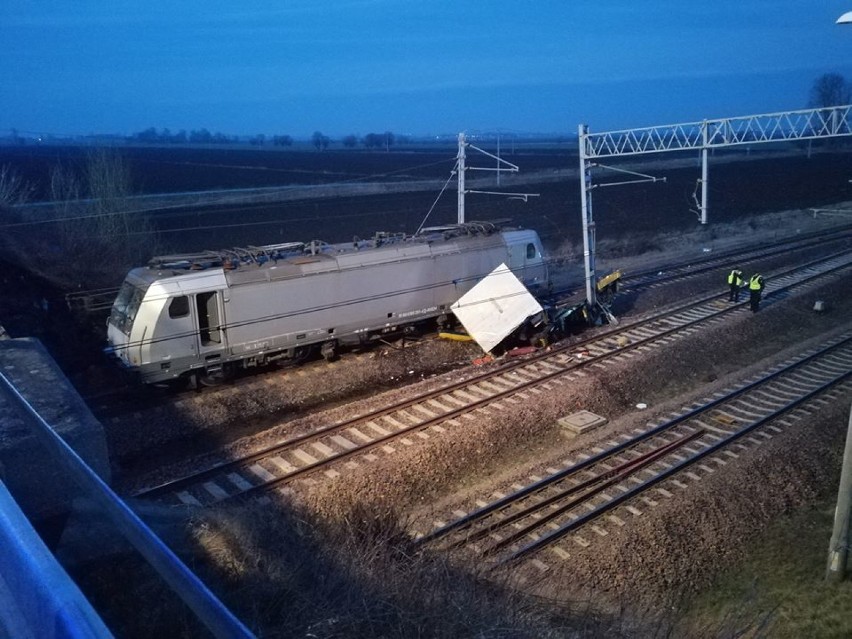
(203, 316)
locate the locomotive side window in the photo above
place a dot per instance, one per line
(208, 318)
(179, 307)
(530, 251)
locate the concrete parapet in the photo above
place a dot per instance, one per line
(38, 481)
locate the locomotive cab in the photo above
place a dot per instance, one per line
(162, 327)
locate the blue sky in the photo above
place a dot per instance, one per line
(427, 67)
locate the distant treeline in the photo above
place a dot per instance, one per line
(318, 139)
(204, 136)
(321, 142)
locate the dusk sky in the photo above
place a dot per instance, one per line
(360, 66)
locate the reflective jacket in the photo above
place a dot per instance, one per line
(735, 277)
(755, 283)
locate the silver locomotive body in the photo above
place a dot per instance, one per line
(206, 314)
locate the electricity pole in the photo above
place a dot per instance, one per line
(461, 169)
(838, 550)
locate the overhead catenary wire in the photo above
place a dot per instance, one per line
(237, 225)
(184, 229)
(443, 188)
(280, 170)
(210, 203)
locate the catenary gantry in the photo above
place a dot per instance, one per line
(786, 126)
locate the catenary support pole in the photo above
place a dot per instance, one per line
(461, 169)
(588, 222)
(705, 173)
(838, 550)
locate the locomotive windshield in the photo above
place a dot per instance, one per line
(126, 306)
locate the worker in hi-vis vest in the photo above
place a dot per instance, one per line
(755, 289)
(735, 281)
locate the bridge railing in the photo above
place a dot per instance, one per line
(208, 609)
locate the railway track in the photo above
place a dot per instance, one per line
(722, 262)
(363, 437)
(664, 274)
(550, 518)
(114, 403)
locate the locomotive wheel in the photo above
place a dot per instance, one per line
(216, 379)
(301, 354)
(329, 351)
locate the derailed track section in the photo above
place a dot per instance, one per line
(550, 518)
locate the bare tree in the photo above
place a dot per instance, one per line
(13, 189)
(65, 196)
(115, 235)
(94, 232)
(830, 89)
(378, 140)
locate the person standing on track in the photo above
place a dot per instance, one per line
(755, 289)
(735, 282)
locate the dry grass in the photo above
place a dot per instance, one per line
(783, 581)
(362, 578)
(290, 576)
(286, 575)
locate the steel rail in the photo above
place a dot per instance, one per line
(632, 281)
(674, 469)
(631, 468)
(641, 279)
(597, 483)
(576, 467)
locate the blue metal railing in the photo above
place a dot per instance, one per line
(206, 606)
(37, 597)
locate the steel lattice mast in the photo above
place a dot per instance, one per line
(786, 126)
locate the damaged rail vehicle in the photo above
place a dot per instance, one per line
(202, 317)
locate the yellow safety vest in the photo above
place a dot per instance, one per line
(735, 277)
(755, 283)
